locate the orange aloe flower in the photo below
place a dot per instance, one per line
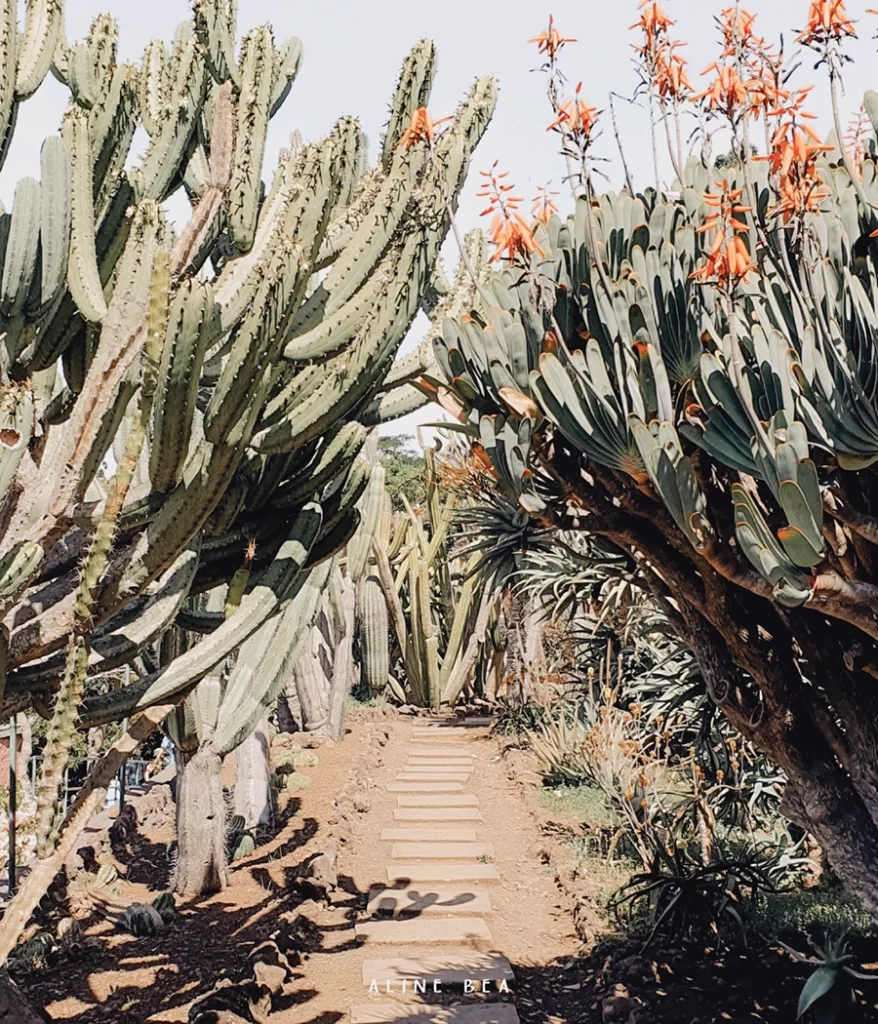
(728, 91)
(728, 259)
(544, 208)
(670, 76)
(575, 116)
(509, 231)
(736, 25)
(653, 21)
(827, 20)
(551, 41)
(421, 128)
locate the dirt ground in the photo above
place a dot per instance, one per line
(569, 968)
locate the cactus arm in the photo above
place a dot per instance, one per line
(287, 62)
(265, 662)
(55, 214)
(8, 60)
(279, 583)
(113, 124)
(374, 627)
(202, 224)
(153, 85)
(168, 147)
(392, 405)
(42, 27)
(371, 506)
(120, 640)
(215, 23)
(17, 420)
(360, 256)
(254, 102)
(21, 248)
(83, 278)
(237, 282)
(335, 457)
(190, 326)
(412, 91)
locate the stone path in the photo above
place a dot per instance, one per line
(438, 895)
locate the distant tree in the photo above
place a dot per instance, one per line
(405, 467)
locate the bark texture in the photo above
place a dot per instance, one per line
(202, 865)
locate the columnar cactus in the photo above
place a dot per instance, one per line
(265, 371)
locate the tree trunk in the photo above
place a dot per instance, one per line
(253, 778)
(202, 865)
(14, 1008)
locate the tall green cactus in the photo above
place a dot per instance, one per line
(246, 432)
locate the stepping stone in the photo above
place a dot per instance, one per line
(441, 851)
(430, 900)
(483, 969)
(420, 1013)
(437, 751)
(438, 771)
(433, 776)
(439, 762)
(407, 931)
(449, 800)
(429, 835)
(416, 872)
(437, 814)
(424, 787)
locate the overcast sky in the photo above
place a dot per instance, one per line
(353, 50)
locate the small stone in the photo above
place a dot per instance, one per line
(271, 976)
(617, 1008)
(362, 805)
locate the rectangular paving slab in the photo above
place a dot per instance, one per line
(438, 771)
(441, 851)
(439, 762)
(436, 751)
(433, 776)
(418, 872)
(438, 834)
(420, 1013)
(408, 931)
(485, 969)
(432, 900)
(446, 800)
(437, 814)
(424, 787)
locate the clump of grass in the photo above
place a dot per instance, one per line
(798, 911)
(581, 804)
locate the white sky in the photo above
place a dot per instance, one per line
(353, 50)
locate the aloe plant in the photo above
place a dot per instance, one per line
(720, 430)
(232, 402)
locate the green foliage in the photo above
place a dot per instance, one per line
(830, 991)
(403, 463)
